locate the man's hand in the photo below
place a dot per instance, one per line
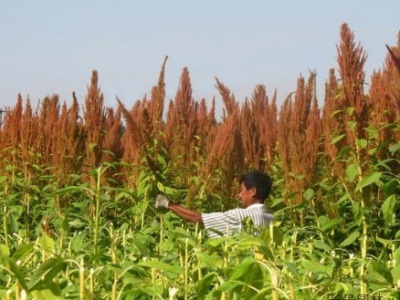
(162, 201)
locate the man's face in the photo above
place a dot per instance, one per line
(247, 195)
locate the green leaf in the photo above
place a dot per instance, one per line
(293, 268)
(22, 251)
(68, 190)
(164, 189)
(205, 284)
(77, 223)
(4, 251)
(230, 285)
(388, 209)
(396, 256)
(352, 125)
(162, 266)
(352, 171)
(384, 242)
(45, 294)
(371, 178)
(3, 179)
(350, 239)
(383, 271)
(350, 111)
(47, 243)
(308, 194)
(394, 148)
(142, 248)
(205, 260)
(396, 274)
(336, 139)
(17, 273)
(321, 245)
(314, 266)
(47, 271)
(328, 224)
(362, 143)
(245, 269)
(389, 188)
(179, 232)
(358, 212)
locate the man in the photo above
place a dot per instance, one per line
(255, 189)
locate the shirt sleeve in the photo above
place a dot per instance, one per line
(221, 223)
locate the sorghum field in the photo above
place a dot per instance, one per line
(77, 187)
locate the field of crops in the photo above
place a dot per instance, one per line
(111, 243)
(77, 192)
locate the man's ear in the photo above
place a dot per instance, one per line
(253, 192)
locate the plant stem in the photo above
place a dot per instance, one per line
(82, 281)
(97, 210)
(186, 267)
(161, 231)
(363, 285)
(5, 226)
(91, 282)
(17, 291)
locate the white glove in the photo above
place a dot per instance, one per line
(162, 201)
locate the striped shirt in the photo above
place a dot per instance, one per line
(231, 221)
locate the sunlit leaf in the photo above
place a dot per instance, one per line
(23, 251)
(350, 239)
(245, 268)
(352, 125)
(362, 143)
(141, 247)
(388, 209)
(315, 267)
(4, 251)
(16, 271)
(47, 243)
(321, 245)
(206, 260)
(230, 285)
(68, 190)
(383, 271)
(329, 224)
(338, 138)
(308, 194)
(77, 223)
(372, 178)
(3, 179)
(396, 274)
(352, 171)
(396, 256)
(46, 272)
(293, 268)
(45, 294)
(384, 242)
(350, 110)
(175, 269)
(342, 288)
(394, 148)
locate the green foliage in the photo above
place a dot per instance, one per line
(96, 240)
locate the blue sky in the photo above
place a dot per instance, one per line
(51, 47)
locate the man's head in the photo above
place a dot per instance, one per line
(255, 187)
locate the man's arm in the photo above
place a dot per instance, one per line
(184, 213)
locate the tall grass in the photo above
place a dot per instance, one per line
(126, 249)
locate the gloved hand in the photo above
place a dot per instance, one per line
(161, 201)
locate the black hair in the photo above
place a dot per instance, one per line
(259, 180)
